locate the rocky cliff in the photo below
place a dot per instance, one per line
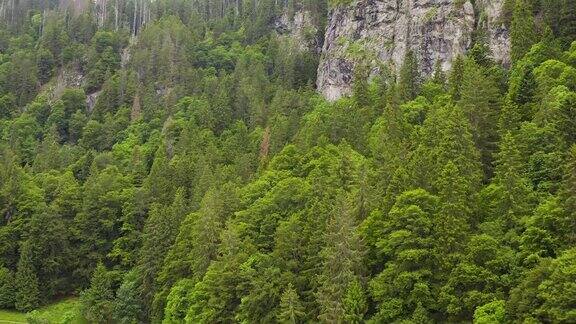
(379, 32)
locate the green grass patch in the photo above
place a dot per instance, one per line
(65, 311)
(11, 317)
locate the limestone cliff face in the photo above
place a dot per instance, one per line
(379, 32)
(300, 29)
(490, 19)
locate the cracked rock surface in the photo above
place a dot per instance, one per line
(379, 32)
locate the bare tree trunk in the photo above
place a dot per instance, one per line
(134, 18)
(116, 15)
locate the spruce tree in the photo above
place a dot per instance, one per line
(480, 100)
(291, 309)
(456, 76)
(522, 31)
(516, 191)
(407, 245)
(567, 21)
(448, 138)
(26, 281)
(409, 78)
(206, 233)
(568, 195)
(159, 234)
(97, 300)
(360, 86)
(341, 262)
(355, 303)
(6, 288)
(452, 224)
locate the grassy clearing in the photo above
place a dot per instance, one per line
(65, 311)
(7, 317)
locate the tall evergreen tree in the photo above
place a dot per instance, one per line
(7, 290)
(27, 295)
(404, 288)
(291, 309)
(456, 77)
(568, 195)
(97, 300)
(522, 31)
(516, 191)
(452, 224)
(480, 100)
(342, 262)
(355, 303)
(409, 77)
(159, 234)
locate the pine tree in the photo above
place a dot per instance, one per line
(291, 309)
(522, 31)
(26, 281)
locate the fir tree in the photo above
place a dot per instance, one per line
(207, 228)
(159, 234)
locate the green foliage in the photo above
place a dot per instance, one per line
(291, 309)
(97, 301)
(6, 288)
(171, 162)
(492, 312)
(522, 30)
(409, 78)
(27, 295)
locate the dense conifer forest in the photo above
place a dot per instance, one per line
(171, 162)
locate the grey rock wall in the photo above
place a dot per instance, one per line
(379, 32)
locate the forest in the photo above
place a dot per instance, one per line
(171, 162)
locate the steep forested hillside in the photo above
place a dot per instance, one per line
(172, 162)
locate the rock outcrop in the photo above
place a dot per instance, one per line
(300, 29)
(492, 21)
(379, 32)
